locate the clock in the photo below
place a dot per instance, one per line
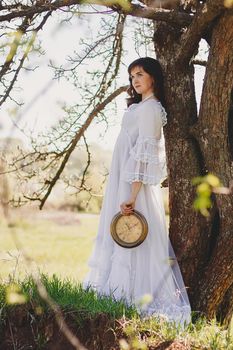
(129, 231)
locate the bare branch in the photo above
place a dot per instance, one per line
(88, 162)
(175, 18)
(36, 8)
(10, 58)
(13, 80)
(190, 39)
(199, 62)
(77, 137)
(14, 46)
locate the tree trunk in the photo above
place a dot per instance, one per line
(194, 145)
(212, 134)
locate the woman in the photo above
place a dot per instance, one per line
(137, 168)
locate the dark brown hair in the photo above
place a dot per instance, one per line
(152, 67)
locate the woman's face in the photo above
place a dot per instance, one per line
(142, 82)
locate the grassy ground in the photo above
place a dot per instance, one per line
(66, 293)
(130, 331)
(59, 243)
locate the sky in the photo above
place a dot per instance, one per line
(43, 96)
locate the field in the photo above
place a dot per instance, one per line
(58, 243)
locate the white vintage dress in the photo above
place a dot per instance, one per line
(151, 268)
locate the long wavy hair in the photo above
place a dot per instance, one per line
(152, 67)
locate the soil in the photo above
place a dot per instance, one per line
(23, 329)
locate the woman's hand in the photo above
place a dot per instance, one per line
(128, 206)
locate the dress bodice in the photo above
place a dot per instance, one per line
(138, 113)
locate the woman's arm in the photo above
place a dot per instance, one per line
(128, 206)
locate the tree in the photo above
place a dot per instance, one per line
(197, 143)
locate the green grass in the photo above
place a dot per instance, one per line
(56, 249)
(70, 296)
(61, 252)
(202, 335)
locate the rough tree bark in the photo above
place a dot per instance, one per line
(196, 145)
(212, 134)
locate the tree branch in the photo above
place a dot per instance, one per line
(200, 62)
(77, 137)
(21, 30)
(175, 18)
(25, 55)
(190, 39)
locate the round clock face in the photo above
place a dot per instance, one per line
(129, 230)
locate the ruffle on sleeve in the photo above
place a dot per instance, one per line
(147, 161)
(163, 115)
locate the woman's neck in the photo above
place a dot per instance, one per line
(145, 97)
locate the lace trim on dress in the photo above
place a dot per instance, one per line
(146, 179)
(163, 114)
(149, 150)
(169, 312)
(147, 161)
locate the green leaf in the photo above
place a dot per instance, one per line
(212, 180)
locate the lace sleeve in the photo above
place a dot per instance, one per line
(147, 161)
(147, 158)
